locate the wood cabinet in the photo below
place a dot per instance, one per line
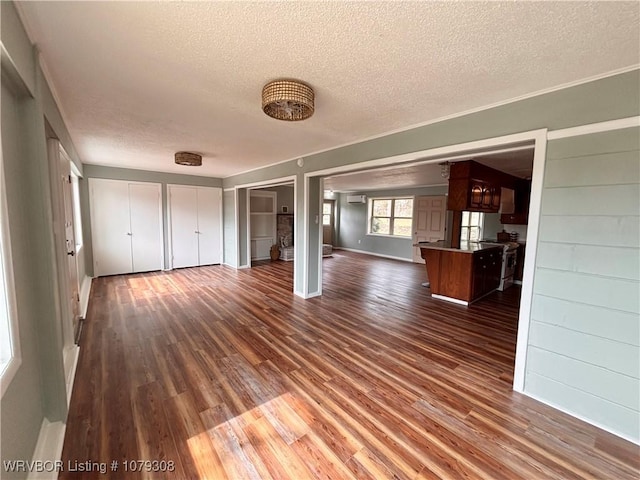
(473, 195)
(520, 216)
(487, 267)
(475, 187)
(519, 273)
(462, 275)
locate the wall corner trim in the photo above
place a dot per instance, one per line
(85, 290)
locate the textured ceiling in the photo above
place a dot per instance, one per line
(138, 81)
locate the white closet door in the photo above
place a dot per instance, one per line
(146, 226)
(184, 225)
(111, 228)
(209, 225)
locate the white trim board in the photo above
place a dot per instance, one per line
(450, 300)
(591, 128)
(48, 449)
(85, 291)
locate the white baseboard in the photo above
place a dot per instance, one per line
(71, 356)
(48, 449)
(374, 254)
(85, 290)
(308, 295)
(580, 417)
(449, 299)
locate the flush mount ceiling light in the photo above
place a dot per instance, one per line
(189, 159)
(289, 100)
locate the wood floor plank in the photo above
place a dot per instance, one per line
(229, 375)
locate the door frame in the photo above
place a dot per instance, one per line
(463, 151)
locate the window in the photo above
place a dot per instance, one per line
(327, 212)
(391, 216)
(9, 345)
(472, 223)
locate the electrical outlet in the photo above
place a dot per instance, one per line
(359, 241)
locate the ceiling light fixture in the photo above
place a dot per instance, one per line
(189, 159)
(445, 169)
(289, 100)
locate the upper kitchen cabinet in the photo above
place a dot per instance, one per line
(474, 187)
(518, 214)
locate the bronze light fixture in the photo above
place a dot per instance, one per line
(189, 159)
(289, 100)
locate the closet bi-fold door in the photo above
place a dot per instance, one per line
(183, 202)
(209, 225)
(110, 227)
(196, 225)
(126, 226)
(146, 226)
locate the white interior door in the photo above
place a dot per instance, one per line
(429, 221)
(209, 225)
(110, 227)
(145, 205)
(184, 226)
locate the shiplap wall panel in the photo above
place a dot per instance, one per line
(597, 410)
(586, 377)
(610, 354)
(590, 319)
(591, 259)
(584, 354)
(579, 170)
(613, 293)
(607, 231)
(601, 200)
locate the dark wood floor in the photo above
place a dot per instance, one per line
(227, 374)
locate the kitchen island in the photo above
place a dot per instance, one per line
(462, 274)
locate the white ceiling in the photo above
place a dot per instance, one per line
(138, 81)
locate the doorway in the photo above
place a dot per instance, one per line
(328, 221)
(429, 221)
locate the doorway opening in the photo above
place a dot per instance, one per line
(394, 170)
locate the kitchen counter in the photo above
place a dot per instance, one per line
(465, 247)
(465, 274)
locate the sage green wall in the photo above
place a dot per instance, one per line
(353, 220)
(229, 222)
(584, 343)
(284, 195)
(609, 98)
(112, 173)
(244, 255)
(37, 391)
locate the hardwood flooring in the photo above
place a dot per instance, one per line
(227, 374)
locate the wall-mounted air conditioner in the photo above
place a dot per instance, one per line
(356, 199)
